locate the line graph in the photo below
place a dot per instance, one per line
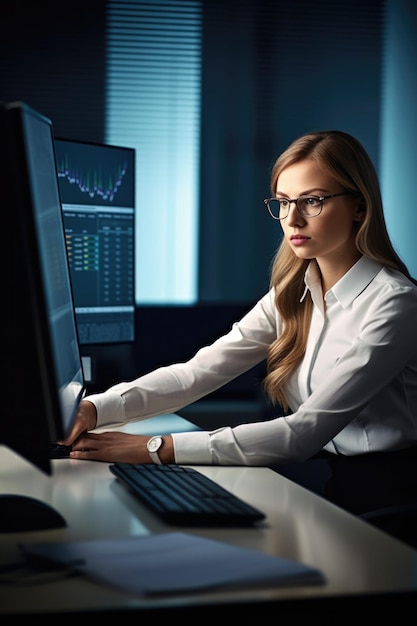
(96, 182)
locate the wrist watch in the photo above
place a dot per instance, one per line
(153, 446)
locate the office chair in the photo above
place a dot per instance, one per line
(378, 488)
(397, 520)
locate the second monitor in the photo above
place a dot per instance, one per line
(97, 188)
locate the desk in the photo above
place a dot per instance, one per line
(358, 561)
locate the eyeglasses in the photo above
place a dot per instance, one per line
(307, 206)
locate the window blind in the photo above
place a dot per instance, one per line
(153, 90)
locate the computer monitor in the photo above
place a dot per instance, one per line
(97, 188)
(43, 381)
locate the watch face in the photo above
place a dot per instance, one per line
(154, 444)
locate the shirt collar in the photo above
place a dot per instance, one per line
(350, 285)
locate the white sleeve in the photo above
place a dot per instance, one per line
(169, 389)
(366, 402)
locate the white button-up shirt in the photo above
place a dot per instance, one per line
(355, 390)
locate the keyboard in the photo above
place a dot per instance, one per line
(183, 496)
(58, 450)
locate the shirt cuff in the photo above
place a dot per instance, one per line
(109, 409)
(192, 448)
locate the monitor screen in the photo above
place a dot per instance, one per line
(97, 187)
(44, 380)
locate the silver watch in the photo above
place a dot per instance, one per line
(153, 446)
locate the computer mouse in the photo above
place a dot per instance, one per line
(20, 513)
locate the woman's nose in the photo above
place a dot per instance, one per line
(294, 216)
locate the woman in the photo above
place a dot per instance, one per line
(337, 330)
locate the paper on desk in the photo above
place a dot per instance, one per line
(174, 562)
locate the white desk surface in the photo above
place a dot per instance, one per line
(354, 557)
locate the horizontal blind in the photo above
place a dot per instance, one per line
(153, 92)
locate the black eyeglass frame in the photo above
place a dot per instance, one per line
(321, 199)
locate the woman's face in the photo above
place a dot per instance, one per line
(329, 236)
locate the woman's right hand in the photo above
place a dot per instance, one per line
(86, 420)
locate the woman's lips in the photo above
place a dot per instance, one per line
(298, 240)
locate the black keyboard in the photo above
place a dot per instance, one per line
(183, 496)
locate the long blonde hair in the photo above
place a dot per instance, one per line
(344, 158)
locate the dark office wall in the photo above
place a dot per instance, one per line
(272, 71)
(52, 56)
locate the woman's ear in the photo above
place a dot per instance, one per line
(360, 210)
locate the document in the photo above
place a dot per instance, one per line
(173, 562)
